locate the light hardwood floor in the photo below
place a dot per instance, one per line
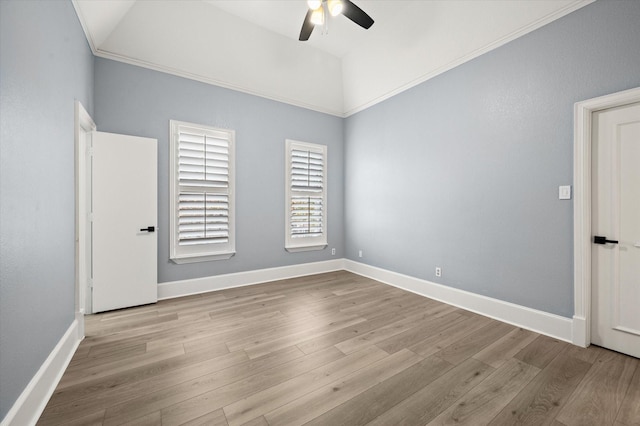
(333, 349)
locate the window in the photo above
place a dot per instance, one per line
(306, 189)
(202, 197)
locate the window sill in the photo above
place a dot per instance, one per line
(295, 249)
(201, 258)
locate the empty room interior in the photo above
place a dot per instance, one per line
(288, 212)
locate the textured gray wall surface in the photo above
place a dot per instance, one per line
(462, 171)
(140, 102)
(45, 63)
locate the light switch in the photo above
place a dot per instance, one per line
(564, 192)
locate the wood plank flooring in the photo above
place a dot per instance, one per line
(333, 349)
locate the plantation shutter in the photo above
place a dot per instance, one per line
(203, 200)
(203, 218)
(202, 213)
(307, 177)
(306, 224)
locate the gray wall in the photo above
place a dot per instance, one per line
(137, 101)
(45, 63)
(462, 171)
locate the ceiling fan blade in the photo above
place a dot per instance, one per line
(307, 27)
(356, 14)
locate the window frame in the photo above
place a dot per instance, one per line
(293, 244)
(205, 252)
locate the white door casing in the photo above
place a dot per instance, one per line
(583, 111)
(124, 204)
(615, 319)
(84, 125)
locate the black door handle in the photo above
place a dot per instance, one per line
(149, 229)
(603, 240)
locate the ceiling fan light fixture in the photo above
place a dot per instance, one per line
(317, 17)
(335, 7)
(314, 4)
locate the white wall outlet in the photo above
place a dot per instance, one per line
(438, 271)
(359, 253)
(564, 192)
(333, 252)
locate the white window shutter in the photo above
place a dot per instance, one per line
(203, 161)
(203, 218)
(202, 225)
(306, 196)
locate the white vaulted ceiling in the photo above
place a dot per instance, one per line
(252, 45)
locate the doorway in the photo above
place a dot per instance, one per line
(586, 115)
(116, 215)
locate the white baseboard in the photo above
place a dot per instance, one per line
(521, 316)
(539, 321)
(30, 404)
(80, 321)
(173, 289)
(579, 332)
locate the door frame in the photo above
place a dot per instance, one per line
(583, 113)
(84, 125)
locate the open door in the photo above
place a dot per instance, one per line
(124, 221)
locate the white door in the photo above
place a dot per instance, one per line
(124, 211)
(615, 319)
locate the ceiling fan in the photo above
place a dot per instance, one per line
(317, 13)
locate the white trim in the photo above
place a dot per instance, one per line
(214, 82)
(32, 401)
(83, 124)
(84, 26)
(200, 258)
(294, 249)
(520, 316)
(339, 113)
(80, 320)
(173, 289)
(581, 334)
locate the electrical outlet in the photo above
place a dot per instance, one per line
(438, 271)
(333, 252)
(359, 253)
